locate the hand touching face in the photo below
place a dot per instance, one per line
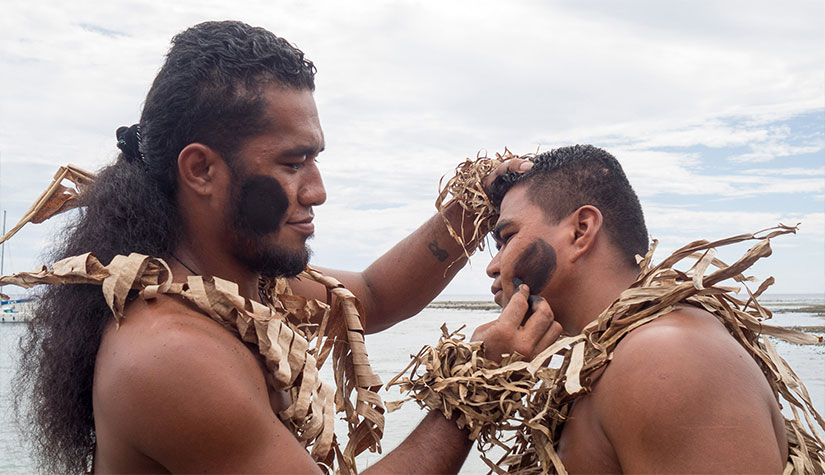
(510, 333)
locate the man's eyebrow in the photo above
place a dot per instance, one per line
(304, 150)
(499, 226)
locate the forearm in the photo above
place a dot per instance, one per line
(437, 445)
(405, 279)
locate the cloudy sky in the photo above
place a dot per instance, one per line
(715, 109)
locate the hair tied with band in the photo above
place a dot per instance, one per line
(128, 141)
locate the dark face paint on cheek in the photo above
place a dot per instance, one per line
(536, 265)
(261, 205)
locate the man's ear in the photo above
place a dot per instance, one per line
(198, 168)
(587, 224)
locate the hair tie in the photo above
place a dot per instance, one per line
(128, 141)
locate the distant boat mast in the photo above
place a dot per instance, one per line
(3, 249)
(3, 246)
(3, 252)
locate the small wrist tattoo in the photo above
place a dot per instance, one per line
(439, 253)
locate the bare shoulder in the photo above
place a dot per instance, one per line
(170, 329)
(683, 348)
(179, 389)
(680, 393)
(684, 341)
(164, 339)
(678, 362)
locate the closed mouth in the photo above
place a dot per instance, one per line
(304, 225)
(497, 293)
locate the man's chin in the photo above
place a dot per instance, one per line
(287, 262)
(274, 261)
(498, 298)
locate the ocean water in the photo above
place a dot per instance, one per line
(390, 352)
(14, 458)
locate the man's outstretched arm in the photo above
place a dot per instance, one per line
(407, 277)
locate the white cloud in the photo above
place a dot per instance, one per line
(655, 173)
(786, 171)
(713, 224)
(770, 151)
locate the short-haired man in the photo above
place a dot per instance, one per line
(219, 178)
(680, 395)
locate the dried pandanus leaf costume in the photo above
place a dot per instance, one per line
(521, 406)
(292, 348)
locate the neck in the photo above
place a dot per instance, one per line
(194, 257)
(586, 298)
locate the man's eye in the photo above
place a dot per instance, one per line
(302, 163)
(503, 240)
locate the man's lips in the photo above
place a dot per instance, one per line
(497, 293)
(304, 225)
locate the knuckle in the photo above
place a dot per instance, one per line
(547, 313)
(521, 294)
(524, 349)
(544, 308)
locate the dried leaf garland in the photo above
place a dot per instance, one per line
(466, 189)
(281, 331)
(521, 406)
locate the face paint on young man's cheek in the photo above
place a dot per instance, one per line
(262, 204)
(536, 265)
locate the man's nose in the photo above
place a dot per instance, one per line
(493, 268)
(312, 191)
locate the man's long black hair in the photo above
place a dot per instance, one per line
(209, 90)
